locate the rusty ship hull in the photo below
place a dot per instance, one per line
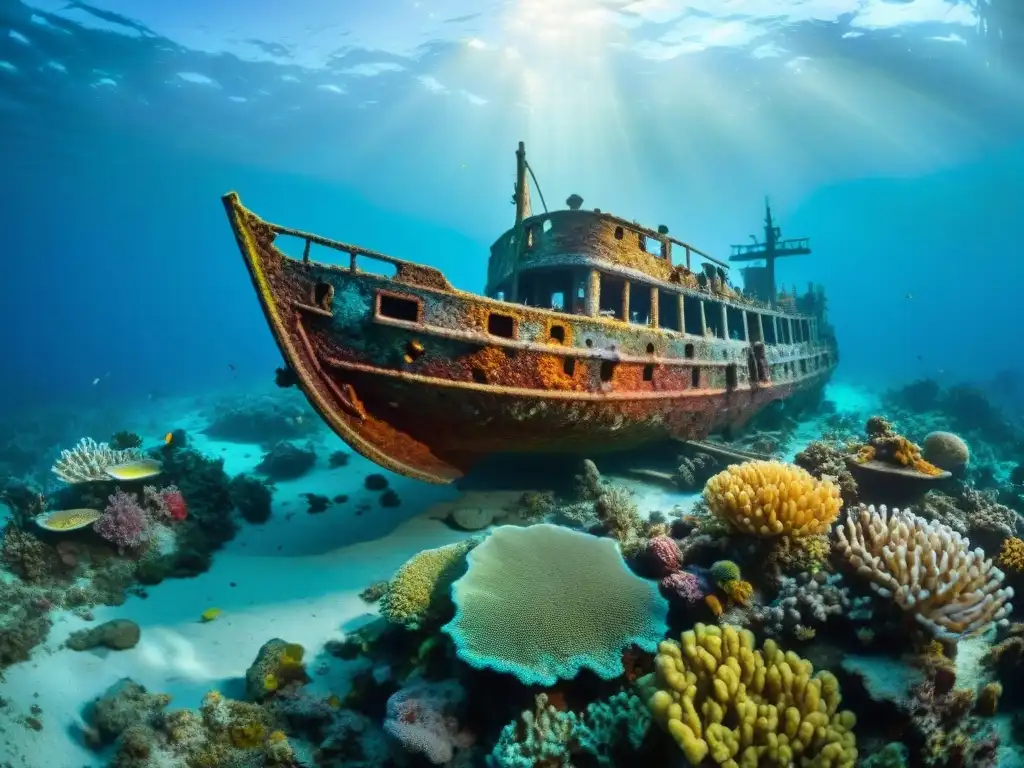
(427, 380)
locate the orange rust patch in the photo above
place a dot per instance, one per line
(567, 331)
(491, 361)
(552, 375)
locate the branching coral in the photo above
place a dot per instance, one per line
(808, 600)
(769, 498)
(694, 471)
(722, 699)
(421, 585)
(88, 461)
(544, 602)
(926, 568)
(547, 738)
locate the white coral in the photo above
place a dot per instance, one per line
(926, 568)
(88, 461)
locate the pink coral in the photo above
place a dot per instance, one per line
(124, 522)
(166, 503)
(683, 585)
(422, 719)
(663, 554)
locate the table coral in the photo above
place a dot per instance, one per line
(926, 569)
(544, 602)
(422, 582)
(769, 498)
(724, 701)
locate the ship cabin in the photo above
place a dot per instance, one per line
(591, 264)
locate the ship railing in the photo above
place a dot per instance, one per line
(354, 252)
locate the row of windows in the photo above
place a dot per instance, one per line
(758, 328)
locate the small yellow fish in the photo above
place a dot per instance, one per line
(209, 615)
(134, 470)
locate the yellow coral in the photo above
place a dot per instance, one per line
(1011, 558)
(739, 591)
(724, 701)
(807, 553)
(769, 498)
(421, 582)
(247, 736)
(209, 614)
(270, 682)
(714, 604)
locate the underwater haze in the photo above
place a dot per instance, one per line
(176, 521)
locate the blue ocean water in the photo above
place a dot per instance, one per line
(890, 133)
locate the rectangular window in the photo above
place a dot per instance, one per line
(396, 307)
(501, 325)
(668, 311)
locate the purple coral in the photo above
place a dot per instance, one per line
(124, 522)
(421, 718)
(684, 586)
(663, 554)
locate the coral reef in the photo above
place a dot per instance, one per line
(419, 589)
(88, 461)
(946, 451)
(422, 717)
(808, 601)
(768, 498)
(573, 591)
(286, 461)
(722, 699)
(926, 569)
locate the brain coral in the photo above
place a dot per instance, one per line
(544, 602)
(727, 703)
(946, 451)
(769, 498)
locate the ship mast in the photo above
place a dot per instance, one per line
(761, 280)
(521, 199)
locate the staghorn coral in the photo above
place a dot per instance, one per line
(543, 602)
(827, 459)
(419, 588)
(769, 498)
(807, 600)
(926, 569)
(724, 701)
(88, 461)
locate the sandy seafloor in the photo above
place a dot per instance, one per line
(296, 577)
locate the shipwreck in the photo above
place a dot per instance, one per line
(593, 333)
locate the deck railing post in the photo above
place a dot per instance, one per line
(703, 320)
(625, 300)
(654, 318)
